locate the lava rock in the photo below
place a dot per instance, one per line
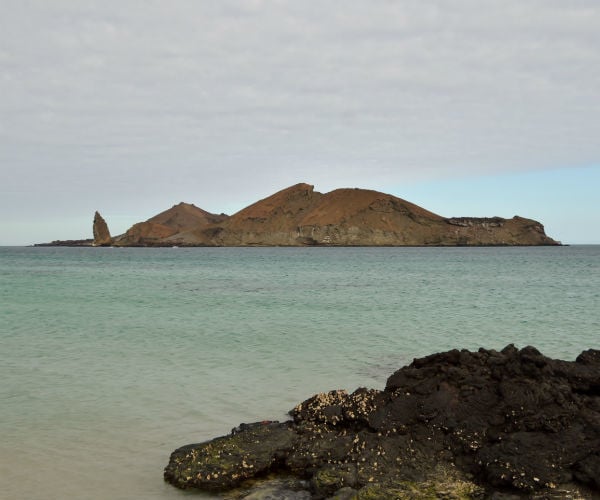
(457, 424)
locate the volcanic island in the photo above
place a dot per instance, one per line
(301, 216)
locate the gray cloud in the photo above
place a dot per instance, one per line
(110, 102)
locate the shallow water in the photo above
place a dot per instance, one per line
(111, 358)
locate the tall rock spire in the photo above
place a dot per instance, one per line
(101, 232)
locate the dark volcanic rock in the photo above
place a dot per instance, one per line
(67, 243)
(224, 463)
(457, 424)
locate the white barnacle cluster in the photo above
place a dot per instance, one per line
(359, 404)
(315, 406)
(330, 398)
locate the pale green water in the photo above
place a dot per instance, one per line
(111, 358)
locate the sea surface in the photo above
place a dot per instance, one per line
(110, 358)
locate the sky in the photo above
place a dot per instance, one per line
(465, 107)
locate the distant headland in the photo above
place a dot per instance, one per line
(300, 216)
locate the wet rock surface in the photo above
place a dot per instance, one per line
(458, 424)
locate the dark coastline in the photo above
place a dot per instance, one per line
(67, 243)
(90, 243)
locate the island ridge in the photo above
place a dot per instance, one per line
(301, 216)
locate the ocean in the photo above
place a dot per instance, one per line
(110, 358)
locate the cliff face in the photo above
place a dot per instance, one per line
(101, 232)
(298, 215)
(497, 231)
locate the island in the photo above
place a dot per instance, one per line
(301, 216)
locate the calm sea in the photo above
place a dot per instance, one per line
(111, 358)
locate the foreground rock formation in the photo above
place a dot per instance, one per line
(299, 216)
(458, 424)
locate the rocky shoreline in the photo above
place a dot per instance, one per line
(459, 424)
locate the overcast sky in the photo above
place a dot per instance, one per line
(466, 107)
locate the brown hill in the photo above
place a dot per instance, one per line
(363, 217)
(298, 215)
(287, 204)
(268, 222)
(177, 219)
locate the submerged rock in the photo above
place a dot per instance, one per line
(458, 424)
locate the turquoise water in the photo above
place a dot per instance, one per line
(111, 358)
